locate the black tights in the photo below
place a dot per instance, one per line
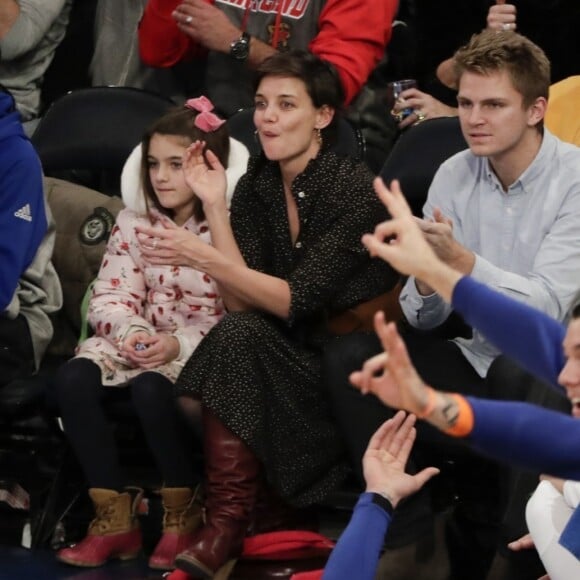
(81, 397)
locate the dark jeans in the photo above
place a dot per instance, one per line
(81, 399)
(443, 366)
(507, 381)
(16, 350)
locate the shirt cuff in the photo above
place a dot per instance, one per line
(378, 499)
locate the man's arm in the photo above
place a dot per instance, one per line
(513, 432)
(518, 330)
(544, 275)
(161, 43)
(24, 24)
(9, 12)
(23, 220)
(353, 35)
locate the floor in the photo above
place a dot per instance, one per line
(36, 471)
(23, 564)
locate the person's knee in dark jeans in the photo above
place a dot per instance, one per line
(508, 381)
(441, 363)
(358, 416)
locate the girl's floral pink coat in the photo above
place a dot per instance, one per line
(131, 294)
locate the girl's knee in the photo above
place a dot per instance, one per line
(150, 388)
(78, 378)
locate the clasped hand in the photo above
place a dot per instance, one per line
(157, 349)
(438, 232)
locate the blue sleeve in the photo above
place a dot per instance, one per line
(356, 555)
(523, 333)
(23, 221)
(527, 435)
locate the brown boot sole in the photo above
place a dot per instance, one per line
(159, 567)
(123, 557)
(196, 569)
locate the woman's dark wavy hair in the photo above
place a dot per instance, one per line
(179, 122)
(320, 78)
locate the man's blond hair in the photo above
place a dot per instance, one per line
(492, 51)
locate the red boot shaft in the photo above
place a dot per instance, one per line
(232, 473)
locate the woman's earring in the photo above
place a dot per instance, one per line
(319, 136)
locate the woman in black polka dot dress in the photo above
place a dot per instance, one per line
(290, 262)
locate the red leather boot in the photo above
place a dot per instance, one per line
(231, 484)
(182, 516)
(114, 533)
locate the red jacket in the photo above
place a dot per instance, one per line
(352, 35)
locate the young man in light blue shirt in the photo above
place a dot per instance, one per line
(506, 211)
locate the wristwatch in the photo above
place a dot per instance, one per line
(240, 48)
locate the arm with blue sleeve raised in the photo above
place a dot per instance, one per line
(518, 330)
(490, 425)
(357, 552)
(513, 432)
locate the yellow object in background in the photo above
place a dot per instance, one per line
(563, 114)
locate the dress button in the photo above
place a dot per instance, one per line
(298, 244)
(301, 194)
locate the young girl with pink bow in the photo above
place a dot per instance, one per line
(147, 318)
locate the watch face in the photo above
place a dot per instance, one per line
(240, 48)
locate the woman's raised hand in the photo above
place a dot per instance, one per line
(173, 246)
(205, 174)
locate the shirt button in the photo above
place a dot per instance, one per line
(509, 210)
(301, 194)
(298, 244)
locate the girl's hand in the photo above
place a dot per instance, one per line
(132, 344)
(155, 351)
(208, 183)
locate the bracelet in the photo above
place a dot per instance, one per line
(431, 404)
(464, 422)
(383, 501)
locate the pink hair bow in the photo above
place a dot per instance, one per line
(205, 120)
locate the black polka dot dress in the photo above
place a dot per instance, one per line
(262, 375)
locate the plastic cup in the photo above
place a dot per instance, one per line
(394, 90)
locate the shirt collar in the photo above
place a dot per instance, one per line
(533, 171)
